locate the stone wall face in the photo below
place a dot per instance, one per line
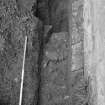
(79, 82)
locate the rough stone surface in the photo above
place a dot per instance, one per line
(77, 21)
(77, 56)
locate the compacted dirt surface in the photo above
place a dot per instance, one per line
(54, 66)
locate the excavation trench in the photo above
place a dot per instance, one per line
(54, 65)
(62, 73)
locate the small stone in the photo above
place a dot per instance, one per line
(16, 79)
(76, 36)
(59, 36)
(2, 41)
(52, 55)
(77, 48)
(66, 97)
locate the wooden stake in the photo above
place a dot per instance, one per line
(22, 76)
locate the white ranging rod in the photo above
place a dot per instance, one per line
(22, 76)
